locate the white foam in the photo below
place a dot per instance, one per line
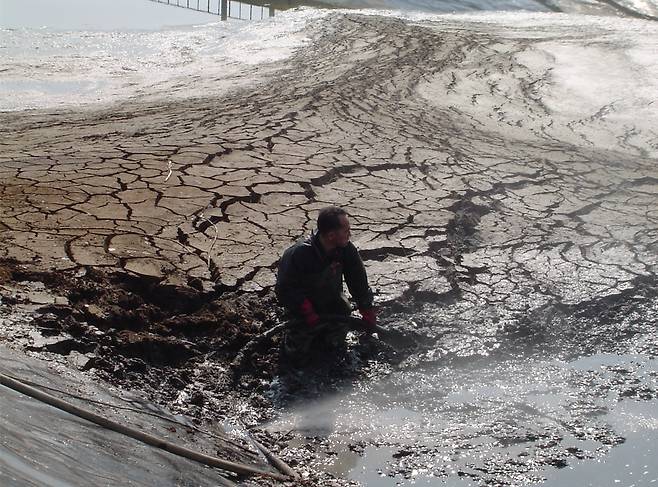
(599, 77)
(44, 68)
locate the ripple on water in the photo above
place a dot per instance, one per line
(511, 420)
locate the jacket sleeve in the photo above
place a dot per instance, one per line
(356, 278)
(289, 289)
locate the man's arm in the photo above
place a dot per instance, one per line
(289, 289)
(356, 278)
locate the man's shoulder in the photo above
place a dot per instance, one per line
(301, 247)
(350, 250)
(351, 247)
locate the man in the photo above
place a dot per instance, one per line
(310, 283)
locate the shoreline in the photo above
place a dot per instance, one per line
(133, 407)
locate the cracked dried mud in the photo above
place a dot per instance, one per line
(503, 235)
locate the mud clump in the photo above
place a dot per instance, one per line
(136, 333)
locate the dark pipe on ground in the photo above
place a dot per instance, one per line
(226, 465)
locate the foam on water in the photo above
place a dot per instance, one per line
(43, 68)
(51, 67)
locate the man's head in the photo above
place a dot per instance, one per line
(334, 227)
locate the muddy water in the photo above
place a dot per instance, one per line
(538, 318)
(507, 422)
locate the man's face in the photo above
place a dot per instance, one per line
(343, 234)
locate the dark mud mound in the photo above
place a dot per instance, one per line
(138, 333)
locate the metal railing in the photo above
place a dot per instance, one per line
(226, 9)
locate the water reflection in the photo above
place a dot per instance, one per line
(630, 464)
(460, 423)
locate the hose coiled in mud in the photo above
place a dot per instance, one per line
(250, 347)
(229, 466)
(238, 364)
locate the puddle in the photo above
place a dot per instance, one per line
(506, 420)
(631, 464)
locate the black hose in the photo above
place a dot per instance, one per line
(352, 322)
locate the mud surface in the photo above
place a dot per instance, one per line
(175, 345)
(502, 230)
(133, 331)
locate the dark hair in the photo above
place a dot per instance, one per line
(329, 219)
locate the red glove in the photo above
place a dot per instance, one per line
(369, 318)
(310, 316)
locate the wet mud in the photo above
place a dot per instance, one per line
(506, 235)
(174, 345)
(134, 331)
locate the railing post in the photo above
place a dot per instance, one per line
(224, 8)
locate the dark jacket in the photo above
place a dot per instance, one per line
(306, 271)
